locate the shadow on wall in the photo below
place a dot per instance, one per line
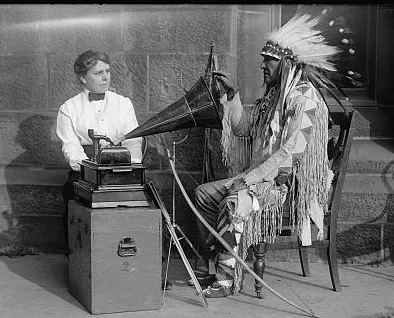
(33, 212)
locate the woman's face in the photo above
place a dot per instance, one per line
(98, 78)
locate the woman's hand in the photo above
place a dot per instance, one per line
(228, 86)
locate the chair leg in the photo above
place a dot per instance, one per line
(333, 266)
(259, 267)
(303, 251)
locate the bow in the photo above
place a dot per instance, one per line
(224, 243)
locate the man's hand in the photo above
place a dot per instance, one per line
(228, 86)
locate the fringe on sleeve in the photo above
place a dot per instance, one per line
(236, 151)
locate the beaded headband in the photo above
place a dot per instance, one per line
(275, 51)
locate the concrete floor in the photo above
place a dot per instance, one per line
(35, 286)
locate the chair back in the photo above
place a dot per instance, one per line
(339, 147)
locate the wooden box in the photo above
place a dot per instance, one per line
(115, 260)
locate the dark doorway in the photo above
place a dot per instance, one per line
(384, 49)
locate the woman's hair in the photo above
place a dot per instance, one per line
(87, 60)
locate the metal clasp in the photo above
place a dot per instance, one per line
(126, 247)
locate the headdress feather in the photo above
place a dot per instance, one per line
(300, 39)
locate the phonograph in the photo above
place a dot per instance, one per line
(109, 179)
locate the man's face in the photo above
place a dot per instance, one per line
(98, 78)
(269, 67)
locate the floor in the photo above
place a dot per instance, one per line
(35, 286)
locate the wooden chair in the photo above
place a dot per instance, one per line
(338, 154)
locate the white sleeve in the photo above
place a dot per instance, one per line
(129, 123)
(72, 149)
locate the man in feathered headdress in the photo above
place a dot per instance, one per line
(275, 152)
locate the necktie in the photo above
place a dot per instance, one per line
(96, 96)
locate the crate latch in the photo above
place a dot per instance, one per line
(127, 247)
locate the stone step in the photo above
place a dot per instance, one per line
(365, 183)
(366, 207)
(30, 175)
(374, 122)
(31, 218)
(367, 197)
(371, 155)
(32, 207)
(31, 203)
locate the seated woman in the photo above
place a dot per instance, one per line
(97, 108)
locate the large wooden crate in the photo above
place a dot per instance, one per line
(100, 278)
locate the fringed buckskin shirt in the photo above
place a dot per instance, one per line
(294, 124)
(293, 140)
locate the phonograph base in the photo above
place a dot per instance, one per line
(111, 196)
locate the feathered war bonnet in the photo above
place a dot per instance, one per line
(301, 41)
(303, 47)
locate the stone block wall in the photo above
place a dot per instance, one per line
(148, 45)
(366, 220)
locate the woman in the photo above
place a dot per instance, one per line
(97, 108)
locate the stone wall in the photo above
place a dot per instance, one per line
(147, 43)
(366, 220)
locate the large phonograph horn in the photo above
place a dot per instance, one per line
(197, 108)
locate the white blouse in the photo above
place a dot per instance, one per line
(114, 117)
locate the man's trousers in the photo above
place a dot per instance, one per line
(208, 198)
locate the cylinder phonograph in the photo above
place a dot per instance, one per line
(110, 179)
